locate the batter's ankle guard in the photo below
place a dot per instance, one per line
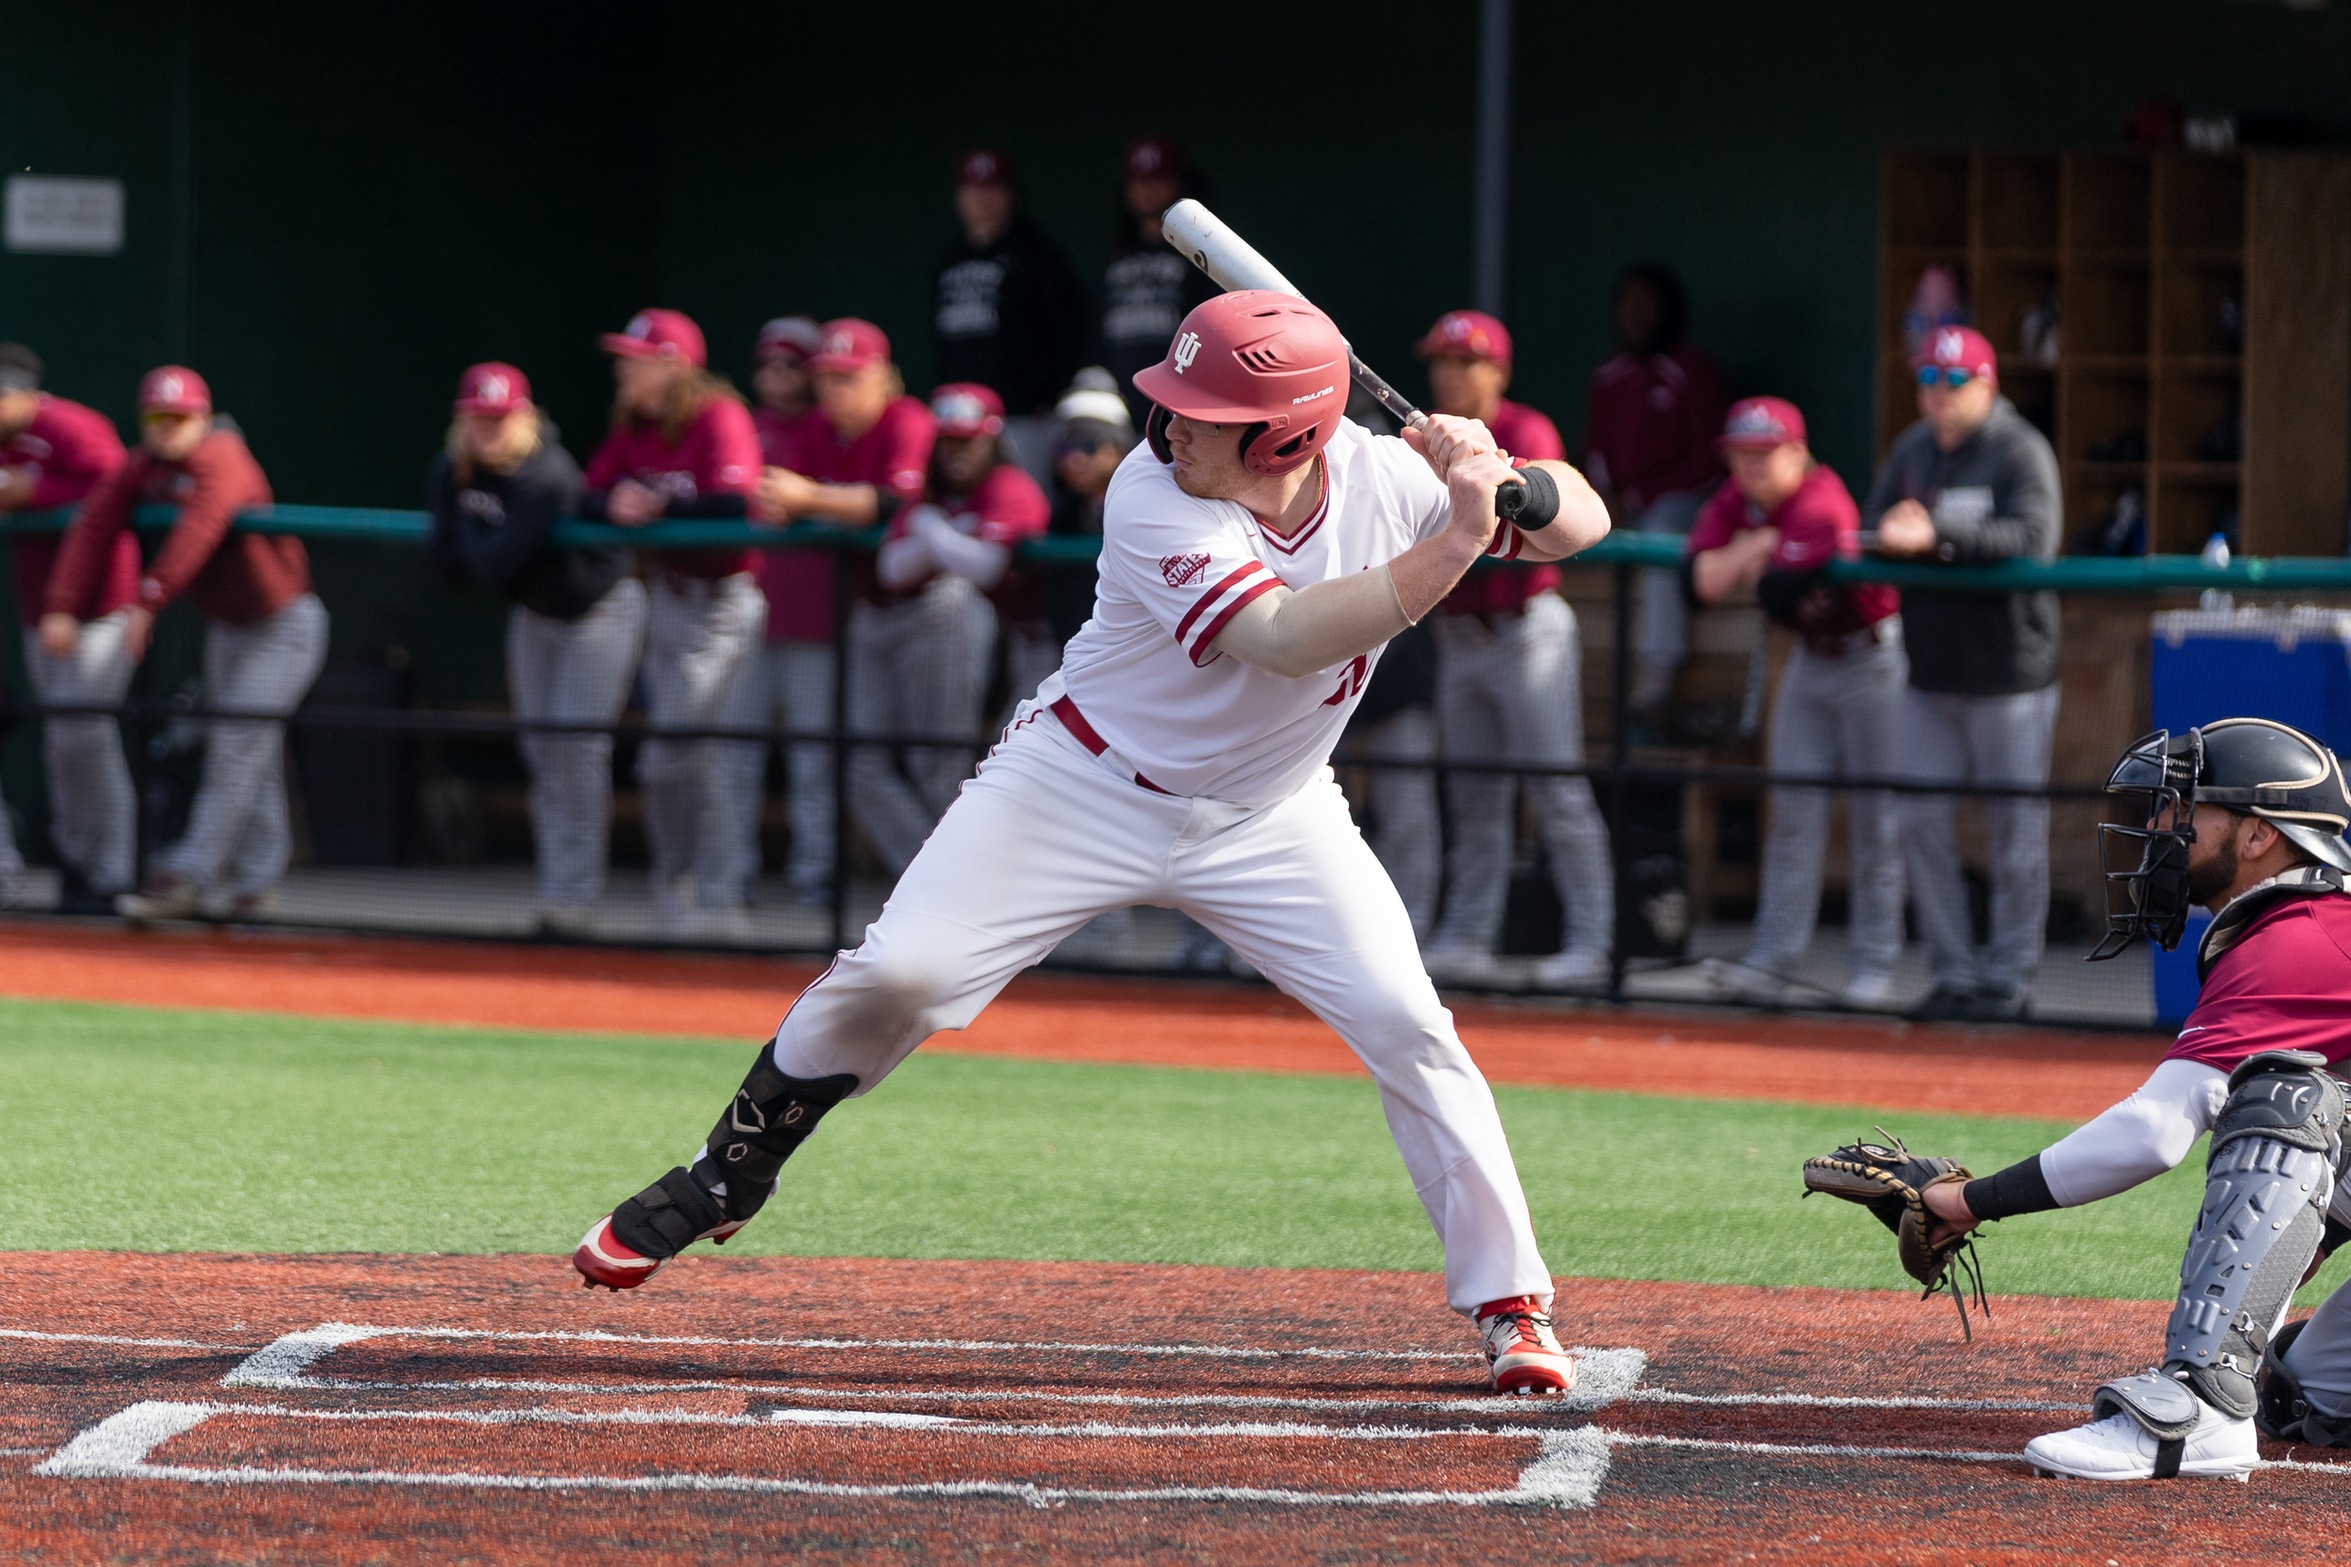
(772, 1115)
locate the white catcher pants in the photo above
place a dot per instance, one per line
(1048, 836)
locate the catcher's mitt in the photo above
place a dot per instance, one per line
(1891, 1182)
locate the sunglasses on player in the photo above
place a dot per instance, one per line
(1947, 375)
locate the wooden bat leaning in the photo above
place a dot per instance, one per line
(1203, 239)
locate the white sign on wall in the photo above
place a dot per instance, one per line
(62, 216)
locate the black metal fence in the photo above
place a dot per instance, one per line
(415, 819)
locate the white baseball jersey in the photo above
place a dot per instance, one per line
(1174, 571)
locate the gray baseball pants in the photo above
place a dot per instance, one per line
(1982, 740)
(796, 693)
(702, 641)
(918, 667)
(1834, 716)
(1663, 639)
(237, 829)
(93, 812)
(1513, 692)
(1407, 837)
(573, 672)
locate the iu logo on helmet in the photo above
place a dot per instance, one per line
(1187, 349)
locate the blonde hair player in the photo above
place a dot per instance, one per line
(1258, 552)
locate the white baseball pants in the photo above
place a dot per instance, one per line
(1832, 716)
(702, 641)
(916, 667)
(1514, 693)
(573, 672)
(93, 812)
(237, 829)
(1048, 836)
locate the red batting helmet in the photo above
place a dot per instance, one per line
(1271, 362)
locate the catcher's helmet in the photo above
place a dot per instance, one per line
(2252, 766)
(1268, 361)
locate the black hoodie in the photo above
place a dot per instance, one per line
(497, 529)
(1011, 317)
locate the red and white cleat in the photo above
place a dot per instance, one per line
(603, 1259)
(1522, 1354)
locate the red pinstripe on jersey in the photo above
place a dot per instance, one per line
(1200, 644)
(1225, 584)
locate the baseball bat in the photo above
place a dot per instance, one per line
(1203, 239)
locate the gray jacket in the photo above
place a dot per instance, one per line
(1994, 499)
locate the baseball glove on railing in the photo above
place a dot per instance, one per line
(1891, 1182)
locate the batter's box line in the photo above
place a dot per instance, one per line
(1603, 1376)
(285, 1365)
(1567, 1470)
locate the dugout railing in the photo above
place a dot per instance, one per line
(1684, 818)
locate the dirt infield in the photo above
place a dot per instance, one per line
(1891, 1065)
(350, 1409)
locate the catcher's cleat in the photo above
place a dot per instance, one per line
(2120, 1448)
(1523, 1355)
(771, 1116)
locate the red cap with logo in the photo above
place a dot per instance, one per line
(1758, 424)
(174, 389)
(492, 388)
(966, 408)
(791, 337)
(986, 166)
(1155, 157)
(1958, 348)
(658, 334)
(1270, 361)
(1470, 333)
(850, 344)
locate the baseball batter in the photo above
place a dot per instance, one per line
(2245, 817)
(1258, 551)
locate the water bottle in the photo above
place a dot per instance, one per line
(2216, 554)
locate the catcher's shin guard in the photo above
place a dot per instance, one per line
(2285, 1413)
(2268, 1179)
(771, 1116)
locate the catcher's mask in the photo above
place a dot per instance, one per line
(2249, 766)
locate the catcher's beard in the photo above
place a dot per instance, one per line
(2208, 881)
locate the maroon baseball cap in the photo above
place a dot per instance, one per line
(658, 334)
(174, 389)
(793, 337)
(966, 408)
(1958, 348)
(1470, 333)
(850, 344)
(492, 388)
(1155, 157)
(1757, 424)
(986, 166)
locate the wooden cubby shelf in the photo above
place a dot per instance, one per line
(2204, 345)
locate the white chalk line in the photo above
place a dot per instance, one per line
(1567, 1472)
(870, 1419)
(338, 1333)
(109, 1338)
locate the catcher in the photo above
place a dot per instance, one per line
(2245, 817)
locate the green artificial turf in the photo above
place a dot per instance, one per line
(158, 1130)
